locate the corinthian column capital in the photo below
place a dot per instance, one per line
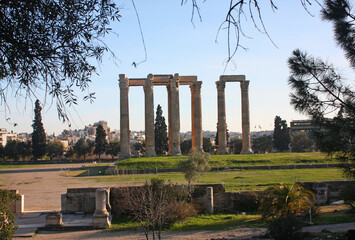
(220, 85)
(124, 82)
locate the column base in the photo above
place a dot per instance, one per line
(222, 151)
(102, 220)
(246, 151)
(124, 156)
(150, 153)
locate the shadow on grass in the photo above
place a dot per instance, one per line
(92, 171)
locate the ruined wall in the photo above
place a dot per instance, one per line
(78, 200)
(83, 199)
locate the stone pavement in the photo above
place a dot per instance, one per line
(29, 222)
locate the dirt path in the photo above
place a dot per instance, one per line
(43, 185)
(234, 234)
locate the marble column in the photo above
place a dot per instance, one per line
(196, 116)
(101, 217)
(149, 117)
(246, 149)
(221, 125)
(174, 117)
(124, 121)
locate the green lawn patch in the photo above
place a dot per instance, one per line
(237, 180)
(229, 160)
(343, 216)
(218, 221)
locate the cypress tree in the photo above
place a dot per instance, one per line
(38, 135)
(100, 141)
(281, 134)
(161, 135)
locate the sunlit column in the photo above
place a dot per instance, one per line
(149, 117)
(244, 86)
(196, 116)
(174, 118)
(124, 121)
(221, 125)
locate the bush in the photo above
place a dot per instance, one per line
(286, 227)
(348, 194)
(7, 218)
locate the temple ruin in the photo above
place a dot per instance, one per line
(172, 83)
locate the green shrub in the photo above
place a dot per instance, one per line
(348, 194)
(286, 227)
(7, 218)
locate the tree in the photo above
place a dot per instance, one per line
(38, 135)
(207, 144)
(7, 218)
(300, 142)
(236, 145)
(113, 148)
(100, 141)
(2, 151)
(156, 204)
(140, 147)
(280, 205)
(281, 134)
(319, 90)
(195, 165)
(186, 146)
(55, 149)
(83, 148)
(262, 144)
(50, 45)
(161, 135)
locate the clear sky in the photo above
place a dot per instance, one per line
(175, 45)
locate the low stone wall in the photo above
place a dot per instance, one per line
(326, 191)
(83, 199)
(78, 200)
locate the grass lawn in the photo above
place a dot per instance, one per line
(229, 160)
(233, 180)
(227, 221)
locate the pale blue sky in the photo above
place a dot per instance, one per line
(174, 45)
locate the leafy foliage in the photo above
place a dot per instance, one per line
(236, 144)
(207, 144)
(16, 150)
(83, 148)
(113, 148)
(38, 134)
(284, 200)
(285, 227)
(7, 218)
(195, 165)
(48, 45)
(262, 144)
(186, 146)
(300, 142)
(281, 134)
(319, 90)
(100, 141)
(161, 134)
(55, 149)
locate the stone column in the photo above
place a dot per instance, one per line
(221, 125)
(149, 117)
(124, 121)
(209, 200)
(174, 117)
(196, 116)
(101, 216)
(246, 149)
